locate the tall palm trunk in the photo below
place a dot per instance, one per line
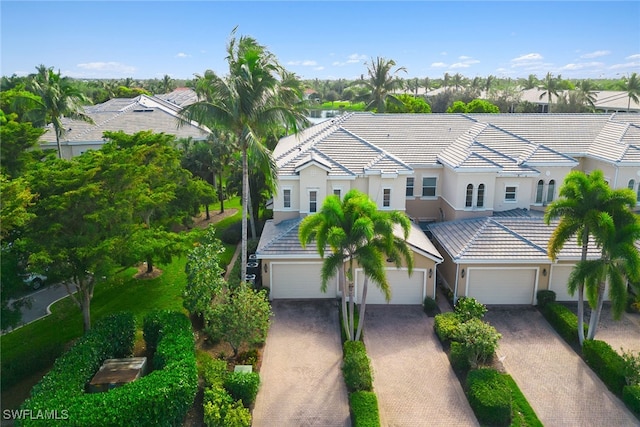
(343, 298)
(363, 307)
(58, 144)
(245, 202)
(221, 194)
(595, 313)
(585, 244)
(252, 220)
(351, 302)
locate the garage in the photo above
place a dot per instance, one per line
(558, 284)
(404, 289)
(299, 281)
(502, 285)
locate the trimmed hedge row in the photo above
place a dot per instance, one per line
(631, 398)
(522, 414)
(364, 409)
(489, 396)
(563, 320)
(356, 367)
(606, 363)
(446, 325)
(161, 398)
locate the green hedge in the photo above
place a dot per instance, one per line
(606, 363)
(243, 386)
(446, 325)
(545, 297)
(563, 320)
(356, 367)
(489, 396)
(161, 398)
(522, 414)
(459, 357)
(631, 398)
(364, 409)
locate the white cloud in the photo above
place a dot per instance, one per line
(596, 54)
(460, 65)
(438, 65)
(630, 65)
(633, 57)
(462, 58)
(354, 58)
(305, 63)
(182, 55)
(581, 66)
(443, 53)
(111, 66)
(529, 57)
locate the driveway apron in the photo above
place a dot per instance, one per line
(301, 376)
(413, 378)
(560, 387)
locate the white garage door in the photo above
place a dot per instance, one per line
(299, 281)
(404, 289)
(502, 285)
(559, 279)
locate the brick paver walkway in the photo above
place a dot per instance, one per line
(301, 376)
(412, 376)
(560, 387)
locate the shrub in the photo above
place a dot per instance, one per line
(522, 414)
(489, 396)
(364, 409)
(232, 235)
(469, 308)
(631, 398)
(221, 411)
(631, 367)
(431, 307)
(459, 357)
(356, 367)
(214, 372)
(606, 363)
(446, 325)
(204, 274)
(479, 340)
(243, 386)
(161, 398)
(249, 357)
(563, 321)
(544, 297)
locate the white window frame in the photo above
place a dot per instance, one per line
(468, 198)
(339, 190)
(484, 190)
(435, 188)
(539, 192)
(284, 199)
(515, 193)
(551, 190)
(384, 190)
(413, 187)
(315, 191)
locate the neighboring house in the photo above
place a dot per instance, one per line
(132, 115)
(437, 168)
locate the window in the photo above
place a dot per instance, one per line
(510, 193)
(429, 187)
(410, 184)
(469, 200)
(551, 190)
(313, 201)
(539, 191)
(632, 186)
(480, 198)
(286, 196)
(386, 197)
(337, 192)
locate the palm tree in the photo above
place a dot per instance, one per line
(426, 84)
(446, 81)
(587, 93)
(531, 82)
(381, 82)
(458, 81)
(249, 102)
(357, 233)
(549, 86)
(620, 260)
(59, 99)
(633, 90)
(167, 84)
(584, 208)
(488, 83)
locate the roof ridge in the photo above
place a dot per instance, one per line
(475, 235)
(295, 223)
(517, 235)
(382, 152)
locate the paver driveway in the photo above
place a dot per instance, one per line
(301, 376)
(560, 387)
(412, 375)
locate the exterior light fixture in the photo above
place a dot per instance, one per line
(265, 267)
(430, 273)
(544, 272)
(462, 273)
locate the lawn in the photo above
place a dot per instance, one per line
(28, 352)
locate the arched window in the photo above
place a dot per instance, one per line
(480, 199)
(551, 190)
(632, 184)
(469, 201)
(539, 190)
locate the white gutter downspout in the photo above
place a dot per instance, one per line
(455, 287)
(435, 277)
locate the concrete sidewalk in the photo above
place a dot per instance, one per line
(560, 387)
(413, 378)
(301, 376)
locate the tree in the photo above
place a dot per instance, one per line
(427, 84)
(587, 93)
(167, 84)
(18, 139)
(549, 86)
(357, 233)
(249, 102)
(241, 317)
(633, 90)
(481, 106)
(531, 82)
(584, 208)
(458, 81)
(381, 83)
(59, 98)
(410, 104)
(457, 107)
(619, 262)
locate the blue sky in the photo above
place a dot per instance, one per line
(324, 39)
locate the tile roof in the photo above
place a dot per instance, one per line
(281, 241)
(514, 239)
